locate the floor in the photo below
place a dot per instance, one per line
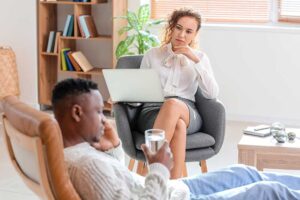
(12, 187)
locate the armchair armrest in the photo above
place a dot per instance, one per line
(212, 112)
(124, 128)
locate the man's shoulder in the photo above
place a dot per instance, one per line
(81, 155)
(73, 153)
(89, 162)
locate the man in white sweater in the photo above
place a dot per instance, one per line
(95, 160)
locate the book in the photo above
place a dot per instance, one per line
(91, 26)
(71, 26)
(261, 130)
(68, 62)
(83, 27)
(74, 63)
(87, 26)
(55, 49)
(50, 44)
(63, 59)
(80, 26)
(82, 61)
(67, 24)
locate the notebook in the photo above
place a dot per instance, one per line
(261, 130)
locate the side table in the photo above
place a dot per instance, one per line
(265, 152)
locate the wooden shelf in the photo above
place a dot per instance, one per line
(52, 17)
(95, 71)
(49, 54)
(100, 37)
(73, 3)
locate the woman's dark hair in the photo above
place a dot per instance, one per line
(173, 19)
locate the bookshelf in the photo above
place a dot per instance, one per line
(51, 16)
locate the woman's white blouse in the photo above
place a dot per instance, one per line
(179, 75)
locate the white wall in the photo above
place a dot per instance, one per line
(258, 71)
(18, 30)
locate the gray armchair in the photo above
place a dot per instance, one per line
(200, 146)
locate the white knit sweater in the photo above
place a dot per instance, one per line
(179, 75)
(102, 175)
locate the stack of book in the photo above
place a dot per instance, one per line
(74, 61)
(53, 38)
(69, 26)
(261, 130)
(87, 26)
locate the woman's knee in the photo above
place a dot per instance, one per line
(176, 106)
(172, 103)
(181, 125)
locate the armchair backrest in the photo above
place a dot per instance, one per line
(34, 143)
(129, 62)
(9, 81)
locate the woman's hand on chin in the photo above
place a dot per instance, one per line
(187, 51)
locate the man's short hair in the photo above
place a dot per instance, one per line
(71, 87)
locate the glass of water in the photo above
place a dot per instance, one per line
(154, 139)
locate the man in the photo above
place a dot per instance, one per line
(95, 158)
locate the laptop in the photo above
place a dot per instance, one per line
(133, 85)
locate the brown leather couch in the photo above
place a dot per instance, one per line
(35, 147)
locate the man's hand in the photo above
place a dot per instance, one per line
(109, 139)
(187, 51)
(163, 155)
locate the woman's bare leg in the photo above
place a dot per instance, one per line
(173, 118)
(177, 145)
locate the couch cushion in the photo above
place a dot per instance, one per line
(194, 141)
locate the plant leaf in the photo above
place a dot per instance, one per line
(124, 45)
(155, 22)
(133, 20)
(146, 46)
(124, 29)
(144, 33)
(143, 14)
(154, 40)
(140, 38)
(129, 40)
(121, 49)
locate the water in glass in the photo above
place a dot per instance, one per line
(154, 139)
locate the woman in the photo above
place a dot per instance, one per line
(182, 70)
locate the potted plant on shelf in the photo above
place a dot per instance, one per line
(139, 39)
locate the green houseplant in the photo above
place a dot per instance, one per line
(139, 39)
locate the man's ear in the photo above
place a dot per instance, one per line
(76, 112)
